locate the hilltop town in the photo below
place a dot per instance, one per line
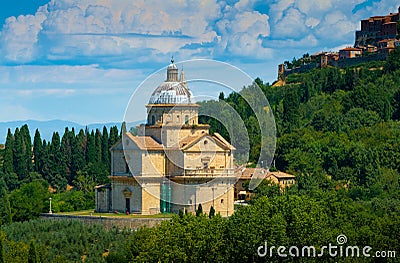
(378, 37)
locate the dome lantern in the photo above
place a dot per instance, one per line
(172, 90)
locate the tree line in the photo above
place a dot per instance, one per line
(300, 217)
(60, 161)
(31, 172)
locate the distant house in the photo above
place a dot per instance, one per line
(350, 52)
(386, 46)
(324, 58)
(282, 179)
(246, 174)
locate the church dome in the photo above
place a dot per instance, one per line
(173, 90)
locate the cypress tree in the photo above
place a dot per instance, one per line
(78, 154)
(57, 172)
(97, 139)
(105, 148)
(55, 149)
(44, 162)
(66, 150)
(37, 150)
(19, 158)
(90, 148)
(113, 135)
(8, 164)
(123, 128)
(212, 212)
(26, 137)
(199, 210)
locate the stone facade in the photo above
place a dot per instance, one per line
(174, 163)
(244, 176)
(377, 28)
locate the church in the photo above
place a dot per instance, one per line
(174, 163)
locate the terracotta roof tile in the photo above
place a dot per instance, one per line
(145, 142)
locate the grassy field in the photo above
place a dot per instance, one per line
(92, 213)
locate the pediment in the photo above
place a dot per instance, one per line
(204, 142)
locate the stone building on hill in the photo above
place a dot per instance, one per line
(377, 28)
(244, 175)
(174, 163)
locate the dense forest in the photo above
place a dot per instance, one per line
(74, 161)
(338, 131)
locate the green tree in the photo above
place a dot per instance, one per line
(2, 252)
(33, 256)
(105, 152)
(57, 170)
(91, 148)
(5, 210)
(78, 155)
(393, 61)
(66, 150)
(28, 147)
(247, 230)
(291, 116)
(29, 201)
(19, 158)
(395, 105)
(98, 148)
(266, 188)
(123, 128)
(114, 137)
(8, 163)
(199, 210)
(212, 212)
(37, 151)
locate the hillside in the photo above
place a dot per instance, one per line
(341, 124)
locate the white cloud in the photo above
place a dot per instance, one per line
(291, 25)
(338, 25)
(72, 30)
(313, 6)
(66, 29)
(241, 31)
(19, 37)
(331, 22)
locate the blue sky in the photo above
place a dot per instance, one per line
(80, 60)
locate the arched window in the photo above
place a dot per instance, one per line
(186, 119)
(153, 120)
